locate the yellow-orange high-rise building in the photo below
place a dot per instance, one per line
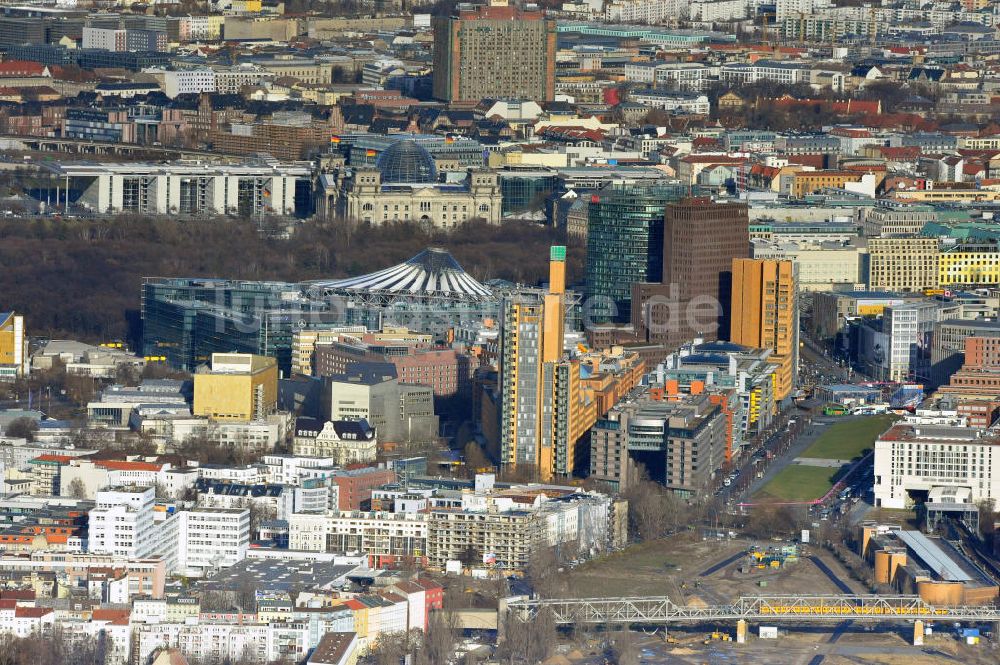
(549, 398)
(531, 343)
(765, 315)
(239, 387)
(13, 347)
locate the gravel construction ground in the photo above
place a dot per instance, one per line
(673, 567)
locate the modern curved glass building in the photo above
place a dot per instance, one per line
(186, 320)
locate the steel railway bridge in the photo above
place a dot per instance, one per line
(661, 610)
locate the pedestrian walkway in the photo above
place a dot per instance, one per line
(819, 461)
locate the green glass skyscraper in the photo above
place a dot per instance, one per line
(624, 245)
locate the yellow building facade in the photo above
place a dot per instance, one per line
(765, 315)
(969, 264)
(807, 182)
(13, 347)
(550, 400)
(239, 387)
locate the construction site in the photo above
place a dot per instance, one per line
(727, 601)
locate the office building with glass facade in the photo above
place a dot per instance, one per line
(624, 245)
(186, 320)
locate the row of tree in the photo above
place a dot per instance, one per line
(55, 649)
(98, 265)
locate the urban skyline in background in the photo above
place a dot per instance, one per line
(575, 333)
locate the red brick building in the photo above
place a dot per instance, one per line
(356, 486)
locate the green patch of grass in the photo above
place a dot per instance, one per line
(797, 482)
(850, 438)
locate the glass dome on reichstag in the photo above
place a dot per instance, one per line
(406, 162)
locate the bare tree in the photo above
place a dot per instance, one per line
(543, 571)
(653, 511)
(987, 516)
(77, 489)
(439, 641)
(475, 458)
(530, 642)
(392, 648)
(624, 650)
(22, 428)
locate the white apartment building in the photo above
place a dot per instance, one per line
(115, 633)
(210, 641)
(105, 38)
(170, 609)
(720, 11)
(26, 621)
(121, 522)
(249, 475)
(680, 102)
(763, 70)
(911, 457)
(293, 469)
(649, 12)
(232, 80)
(95, 475)
(344, 442)
(211, 538)
(688, 76)
(796, 8)
(902, 350)
(374, 534)
(188, 81)
(256, 435)
(560, 522)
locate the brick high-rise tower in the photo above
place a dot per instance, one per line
(700, 241)
(494, 51)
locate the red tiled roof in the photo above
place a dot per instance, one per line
(872, 106)
(15, 538)
(408, 587)
(117, 617)
(21, 68)
(124, 465)
(428, 584)
(854, 132)
(901, 152)
(32, 612)
(49, 457)
(712, 159)
(393, 597)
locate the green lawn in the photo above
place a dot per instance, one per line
(848, 439)
(800, 483)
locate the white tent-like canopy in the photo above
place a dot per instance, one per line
(432, 272)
